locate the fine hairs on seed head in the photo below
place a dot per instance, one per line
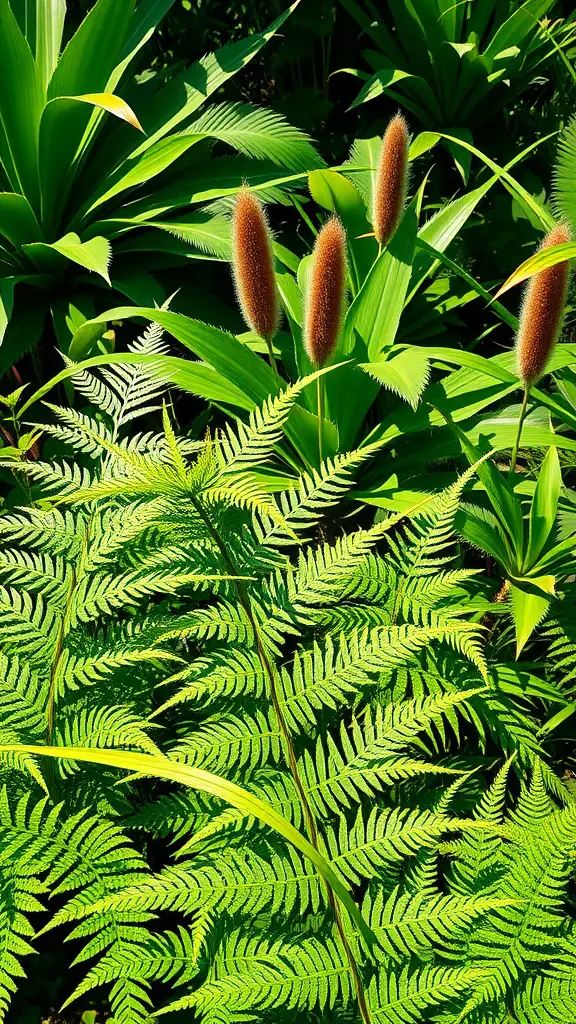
(389, 194)
(325, 294)
(542, 313)
(253, 266)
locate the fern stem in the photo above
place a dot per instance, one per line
(521, 419)
(320, 397)
(309, 819)
(51, 778)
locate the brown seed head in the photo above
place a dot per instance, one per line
(542, 312)
(253, 265)
(390, 186)
(325, 294)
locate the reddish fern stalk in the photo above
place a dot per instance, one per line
(542, 313)
(390, 186)
(253, 265)
(540, 324)
(325, 295)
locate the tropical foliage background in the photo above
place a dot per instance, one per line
(288, 511)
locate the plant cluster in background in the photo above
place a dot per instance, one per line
(287, 627)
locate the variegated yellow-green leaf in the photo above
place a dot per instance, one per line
(113, 104)
(539, 261)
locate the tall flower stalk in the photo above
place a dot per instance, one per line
(253, 266)
(325, 304)
(389, 194)
(540, 324)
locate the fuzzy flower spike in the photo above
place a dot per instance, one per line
(542, 313)
(325, 294)
(540, 322)
(253, 266)
(389, 194)
(325, 303)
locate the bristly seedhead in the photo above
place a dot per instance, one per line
(253, 265)
(542, 313)
(325, 294)
(389, 193)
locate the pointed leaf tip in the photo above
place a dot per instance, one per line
(114, 105)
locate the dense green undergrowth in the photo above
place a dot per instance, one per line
(287, 627)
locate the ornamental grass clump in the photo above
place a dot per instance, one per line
(389, 194)
(253, 266)
(325, 302)
(540, 323)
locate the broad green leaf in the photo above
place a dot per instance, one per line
(50, 16)
(159, 767)
(514, 187)
(235, 361)
(439, 231)
(442, 228)
(558, 559)
(497, 307)
(215, 179)
(93, 50)
(379, 83)
(83, 343)
(94, 255)
(501, 430)
(336, 193)
(6, 303)
(208, 234)
(24, 327)
(18, 221)
(423, 143)
(544, 507)
(482, 535)
(196, 378)
(140, 169)
(521, 22)
(370, 329)
(375, 313)
(146, 17)
(182, 96)
(361, 167)
(529, 606)
(471, 360)
(21, 100)
(539, 261)
(83, 70)
(258, 133)
(504, 501)
(406, 371)
(462, 156)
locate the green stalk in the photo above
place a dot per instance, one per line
(271, 354)
(320, 403)
(521, 419)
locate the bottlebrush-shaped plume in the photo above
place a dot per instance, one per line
(542, 313)
(389, 193)
(325, 293)
(253, 264)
